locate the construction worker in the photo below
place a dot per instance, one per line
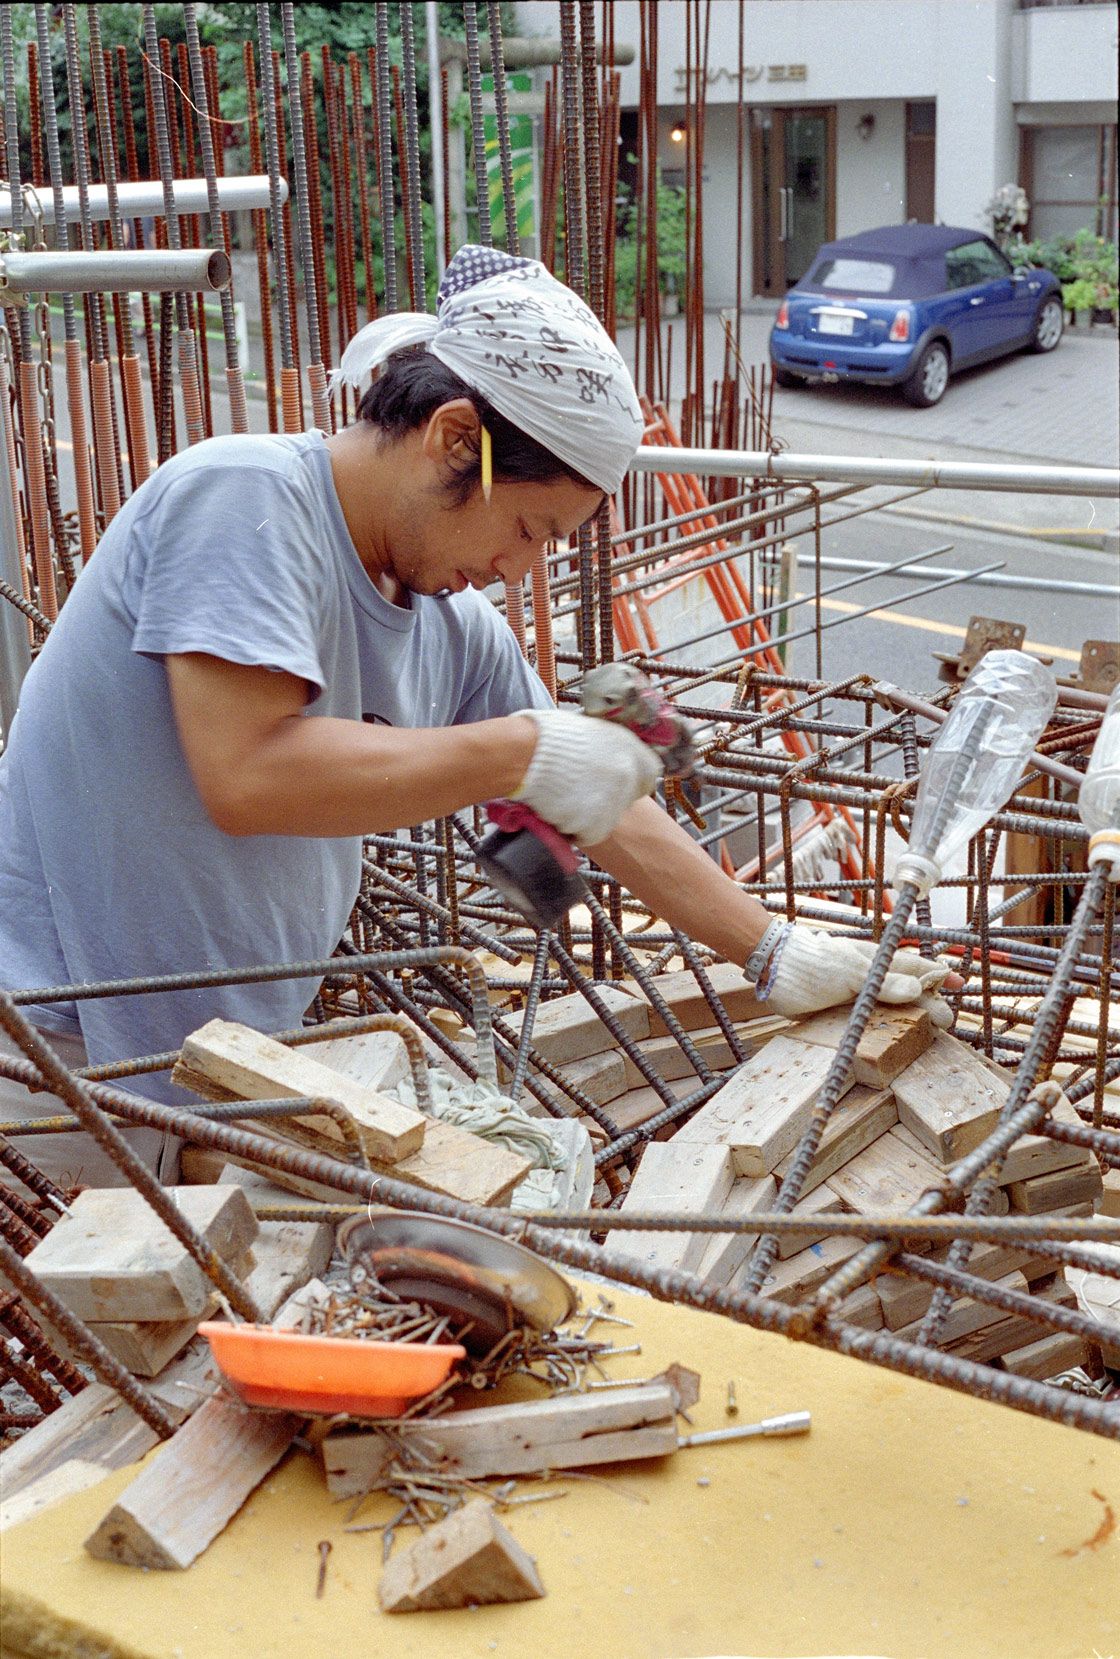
(282, 643)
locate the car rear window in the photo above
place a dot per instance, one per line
(861, 276)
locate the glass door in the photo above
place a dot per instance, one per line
(793, 171)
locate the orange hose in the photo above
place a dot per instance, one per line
(13, 480)
(320, 407)
(134, 417)
(515, 615)
(238, 410)
(291, 402)
(87, 515)
(101, 399)
(192, 393)
(37, 490)
(542, 622)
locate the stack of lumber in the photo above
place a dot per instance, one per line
(915, 1102)
(225, 1061)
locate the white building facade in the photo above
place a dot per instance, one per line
(858, 113)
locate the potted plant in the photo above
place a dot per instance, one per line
(1008, 210)
(1079, 298)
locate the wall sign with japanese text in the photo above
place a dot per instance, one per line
(752, 74)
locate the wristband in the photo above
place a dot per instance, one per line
(770, 972)
(759, 957)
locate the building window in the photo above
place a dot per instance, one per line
(1069, 174)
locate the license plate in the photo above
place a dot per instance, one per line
(834, 322)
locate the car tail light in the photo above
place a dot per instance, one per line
(782, 319)
(900, 328)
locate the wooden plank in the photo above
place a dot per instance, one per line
(821, 1201)
(861, 1117)
(999, 1204)
(685, 1179)
(794, 1279)
(252, 1066)
(375, 1059)
(949, 1098)
(602, 1077)
(1045, 1358)
(288, 1254)
(1056, 1191)
(199, 1166)
(692, 1007)
(451, 1160)
(764, 1108)
(569, 1431)
(905, 1299)
(184, 1496)
(112, 1258)
(467, 1560)
(669, 1061)
(1039, 1155)
(967, 1316)
(147, 1346)
(862, 1308)
(726, 1252)
(637, 1106)
(893, 1040)
(569, 1028)
(1110, 1193)
(1012, 1331)
(886, 1177)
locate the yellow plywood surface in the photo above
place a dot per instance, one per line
(912, 1523)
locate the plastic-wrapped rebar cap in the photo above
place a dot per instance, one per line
(532, 348)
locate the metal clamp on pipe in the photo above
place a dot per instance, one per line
(190, 270)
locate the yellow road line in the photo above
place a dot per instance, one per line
(929, 626)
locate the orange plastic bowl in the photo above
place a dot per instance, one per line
(328, 1374)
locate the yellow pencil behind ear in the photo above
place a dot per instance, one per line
(486, 462)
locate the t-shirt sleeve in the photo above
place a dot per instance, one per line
(508, 684)
(226, 562)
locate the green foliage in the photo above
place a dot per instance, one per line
(672, 251)
(1084, 262)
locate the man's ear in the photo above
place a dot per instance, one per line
(451, 436)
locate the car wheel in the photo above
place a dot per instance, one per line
(783, 377)
(1048, 325)
(926, 385)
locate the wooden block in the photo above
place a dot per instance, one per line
(999, 1203)
(726, 1252)
(569, 1431)
(821, 1201)
(199, 1166)
(112, 1258)
(967, 1316)
(862, 1308)
(183, 1498)
(764, 1108)
(1110, 1193)
(288, 1254)
(886, 1177)
(1045, 1358)
(145, 1348)
(252, 1066)
(1013, 1331)
(669, 1060)
(893, 1039)
(602, 1077)
(905, 1299)
(1056, 1191)
(637, 1106)
(949, 1098)
(797, 1277)
(1038, 1155)
(692, 1007)
(683, 1178)
(861, 1117)
(467, 1560)
(375, 1059)
(569, 1028)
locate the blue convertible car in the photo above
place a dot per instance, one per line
(907, 306)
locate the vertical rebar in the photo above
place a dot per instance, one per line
(384, 139)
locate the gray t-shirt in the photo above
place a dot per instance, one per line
(110, 867)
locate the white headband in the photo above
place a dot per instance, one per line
(532, 348)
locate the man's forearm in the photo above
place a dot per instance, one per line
(663, 866)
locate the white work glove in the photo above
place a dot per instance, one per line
(585, 773)
(816, 970)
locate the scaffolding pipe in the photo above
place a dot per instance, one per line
(144, 200)
(861, 469)
(115, 271)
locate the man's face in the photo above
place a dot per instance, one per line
(446, 547)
